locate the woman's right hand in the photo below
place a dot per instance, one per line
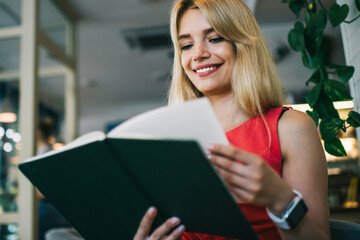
(171, 229)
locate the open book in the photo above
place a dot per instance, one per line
(103, 184)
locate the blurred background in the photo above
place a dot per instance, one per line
(125, 55)
(93, 64)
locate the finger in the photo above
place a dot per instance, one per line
(177, 233)
(229, 165)
(231, 152)
(165, 228)
(237, 181)
(241, 194)
(145, 224)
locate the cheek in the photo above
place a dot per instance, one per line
(185, 62)
(227, 52)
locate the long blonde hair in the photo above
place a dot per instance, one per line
(255, 82)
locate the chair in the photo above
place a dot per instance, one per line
(340, 230)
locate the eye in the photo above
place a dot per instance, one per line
(186, 47)
(216, 40)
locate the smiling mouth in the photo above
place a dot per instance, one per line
(207, 69)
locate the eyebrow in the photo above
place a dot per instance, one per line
(206, 31)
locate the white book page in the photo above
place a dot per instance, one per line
(80, 141)
(195, 120)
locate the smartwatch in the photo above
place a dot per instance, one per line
(293, 213)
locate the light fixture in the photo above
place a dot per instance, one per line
(6, 113)
(16, 137)
(7, 117)
(8, 147)
(9, 133)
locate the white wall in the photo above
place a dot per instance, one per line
(351, 35)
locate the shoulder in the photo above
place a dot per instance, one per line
(297, 132)
(293, 120)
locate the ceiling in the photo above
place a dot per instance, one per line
(110, 72)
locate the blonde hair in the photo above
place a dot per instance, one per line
(255, 82)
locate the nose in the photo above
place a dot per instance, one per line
(201, 52)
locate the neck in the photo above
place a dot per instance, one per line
(228, 111)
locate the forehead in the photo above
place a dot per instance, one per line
(192, 21)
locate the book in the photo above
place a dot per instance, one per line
(103, 184)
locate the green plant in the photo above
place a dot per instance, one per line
(307, 38)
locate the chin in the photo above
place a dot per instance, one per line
(206, 86)
(205, 90)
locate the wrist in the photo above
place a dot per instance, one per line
(279, 204)
(293, 214)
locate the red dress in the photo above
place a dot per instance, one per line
(253, 136)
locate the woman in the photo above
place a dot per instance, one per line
(275, 155)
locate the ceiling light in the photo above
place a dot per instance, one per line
(7, 114)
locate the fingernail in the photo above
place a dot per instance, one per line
(210, 147)
(174, 220)
(151, 211)
(208, 156)
(181, 228)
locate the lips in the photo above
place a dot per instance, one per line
(204, 70)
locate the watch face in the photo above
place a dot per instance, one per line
(297, 214)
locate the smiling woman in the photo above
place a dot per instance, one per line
(233, 22)
(275, 166)
(206, 57)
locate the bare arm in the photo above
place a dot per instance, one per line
(254, 181)
(305, 170)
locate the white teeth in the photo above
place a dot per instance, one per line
(205, 69)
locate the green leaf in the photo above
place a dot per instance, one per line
(323, 72)
(330, 127)
(315, 78)
(296, 37)
(335, 148)
(338, 14)
(357, 4)
(296, 6)
(314, 116)
(344, 72)
(325, 107)
(314, 32)
(309, 61)
(307, 17)
(336, 91)
(313, 95)
(299, 28)
(353, 119)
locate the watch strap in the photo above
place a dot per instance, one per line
(287, 221)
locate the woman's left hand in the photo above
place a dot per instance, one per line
(250, 178)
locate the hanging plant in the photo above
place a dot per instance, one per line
(307, 38)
